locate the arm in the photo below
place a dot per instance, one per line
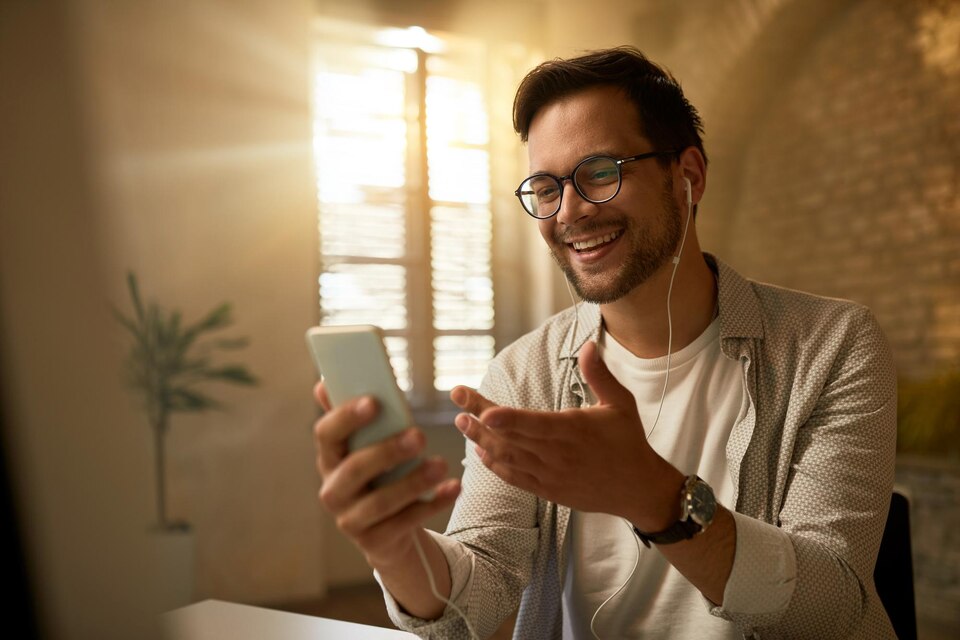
(489, 545)
(835, 498)
(551, 453)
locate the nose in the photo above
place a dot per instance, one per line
(573, 207)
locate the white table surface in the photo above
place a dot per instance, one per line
(218, 620)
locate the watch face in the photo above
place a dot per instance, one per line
(701, 505)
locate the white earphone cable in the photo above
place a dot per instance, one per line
(436, 592)
(663, 395)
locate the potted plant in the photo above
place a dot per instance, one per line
(166, 365)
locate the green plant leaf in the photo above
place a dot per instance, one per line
(135, 295)
(234, 373)
(231, 343)
(185, 400)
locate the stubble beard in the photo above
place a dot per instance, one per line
(645, 256)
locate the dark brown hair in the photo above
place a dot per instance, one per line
(667, 119)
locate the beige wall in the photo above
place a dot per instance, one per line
(173, 139)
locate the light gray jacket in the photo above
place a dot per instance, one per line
(813, 457)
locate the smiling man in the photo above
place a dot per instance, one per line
(686, 454)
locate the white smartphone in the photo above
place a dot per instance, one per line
(352, 361)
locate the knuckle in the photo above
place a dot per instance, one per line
(345, 524)
(327, 498)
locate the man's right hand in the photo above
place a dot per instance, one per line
(380, 521)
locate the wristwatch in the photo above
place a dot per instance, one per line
(697, 508)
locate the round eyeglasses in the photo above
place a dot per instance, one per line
(597, 180)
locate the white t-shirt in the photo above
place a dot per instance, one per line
(704, 399)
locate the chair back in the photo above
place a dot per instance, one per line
(893, 574)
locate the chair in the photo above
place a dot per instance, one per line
(893, 574)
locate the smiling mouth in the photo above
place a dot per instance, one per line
(595, 243)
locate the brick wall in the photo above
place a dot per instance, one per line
(849, 179)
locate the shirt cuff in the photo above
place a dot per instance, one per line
(460, 562)
(764, 571)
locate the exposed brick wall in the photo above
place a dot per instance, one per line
(849, 182)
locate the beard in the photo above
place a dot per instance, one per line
(647, 251)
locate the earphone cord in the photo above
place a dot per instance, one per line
(663, 395)
(436, 592)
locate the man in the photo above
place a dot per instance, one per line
(756, 476)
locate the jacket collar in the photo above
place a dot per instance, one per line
(738, 310)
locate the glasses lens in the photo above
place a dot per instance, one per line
(598, 178)
(540, 196)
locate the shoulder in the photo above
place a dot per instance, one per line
(830, 340)
(749, 308)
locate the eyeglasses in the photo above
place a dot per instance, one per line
(597, 179)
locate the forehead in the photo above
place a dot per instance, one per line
(592, 121)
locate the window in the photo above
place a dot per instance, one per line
(403, 148)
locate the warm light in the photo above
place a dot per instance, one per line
(410, 38)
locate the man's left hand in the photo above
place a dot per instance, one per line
(593, 459)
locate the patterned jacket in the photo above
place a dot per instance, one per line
(813, 458)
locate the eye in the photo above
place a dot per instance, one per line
(597, 171)
(547, 192)
(544, 188)
(603, 175)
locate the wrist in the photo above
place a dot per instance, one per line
(399, 554)
(661, 506)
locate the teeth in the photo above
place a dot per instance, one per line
(593, 242)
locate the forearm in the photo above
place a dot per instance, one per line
(406, 579)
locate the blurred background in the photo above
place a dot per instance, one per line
(339, 162)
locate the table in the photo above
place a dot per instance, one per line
(217, 620)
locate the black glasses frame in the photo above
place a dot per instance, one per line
(561, 179)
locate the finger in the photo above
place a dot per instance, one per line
(385, 502)
(332, 431)
(470, 400)
(385, 534)
(515, 476)
(598, 377)
(320, 396)
(352, 476)
(522, 424)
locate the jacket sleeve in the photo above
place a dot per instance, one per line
(835, 502)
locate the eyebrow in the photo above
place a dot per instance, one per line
(602, 152)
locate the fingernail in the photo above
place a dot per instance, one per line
(462, 421)
(458, 396)
(364, 407)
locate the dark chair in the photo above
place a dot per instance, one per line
(893, 574)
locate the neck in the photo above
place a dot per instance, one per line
(638, 321)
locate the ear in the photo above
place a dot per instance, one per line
(692, 166)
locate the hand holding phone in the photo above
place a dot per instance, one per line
(353, 362)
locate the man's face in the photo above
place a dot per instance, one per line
(635, 234)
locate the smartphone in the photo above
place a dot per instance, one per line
(352, 361)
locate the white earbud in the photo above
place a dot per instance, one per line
(689, 188)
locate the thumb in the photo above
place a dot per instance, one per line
(598, 377)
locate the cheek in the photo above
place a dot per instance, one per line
(546, 228)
